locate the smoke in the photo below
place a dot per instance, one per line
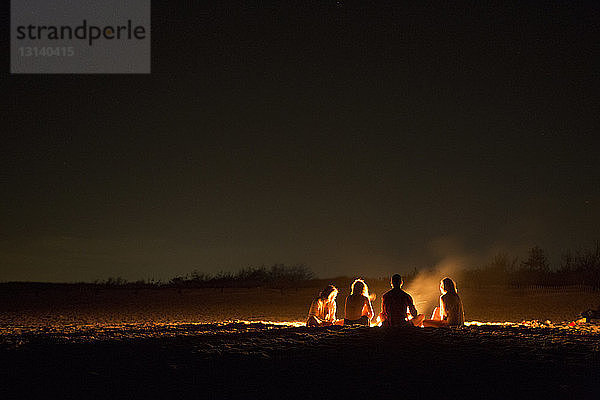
(455, 258)
(425, 287)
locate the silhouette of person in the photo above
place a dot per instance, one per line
(323, 308)
(451, 311)
(358, 308)
(397, 305)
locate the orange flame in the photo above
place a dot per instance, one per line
(377, 322)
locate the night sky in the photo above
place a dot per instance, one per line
(356, 139)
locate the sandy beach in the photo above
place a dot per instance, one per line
(208, 344)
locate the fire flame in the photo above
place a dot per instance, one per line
(377, 322)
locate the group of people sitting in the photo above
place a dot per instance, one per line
(397, 307)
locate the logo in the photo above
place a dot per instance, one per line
(84, 36)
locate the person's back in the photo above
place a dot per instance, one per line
(453, 309)
(355, 304)
(358, 310)
(395, 305)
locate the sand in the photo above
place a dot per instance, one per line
(86, 306)
(165, 344)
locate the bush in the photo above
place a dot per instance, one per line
(581, 268)
(277, 276)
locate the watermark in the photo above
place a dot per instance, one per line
(83, 36)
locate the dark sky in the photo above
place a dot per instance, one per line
(352, 138)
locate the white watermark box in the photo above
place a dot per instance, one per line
(80, 36)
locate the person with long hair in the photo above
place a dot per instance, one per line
(451, 311)
(323, 308)
(358, 310)
(397, 306)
